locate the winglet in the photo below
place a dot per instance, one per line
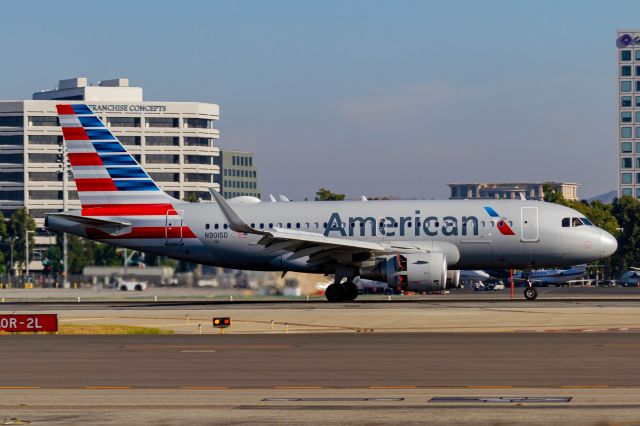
(283, 198)
(272, 198)
(235, 221)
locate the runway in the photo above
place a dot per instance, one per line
(322, 360)
(484, 378)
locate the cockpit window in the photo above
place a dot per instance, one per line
(566, 222)
(586, 221)
(575, 221)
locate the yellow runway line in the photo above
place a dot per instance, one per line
(585, 387)
(20, 387)
(297, 387)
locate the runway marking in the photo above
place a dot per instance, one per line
(392, 387)
(197, 352)
(203, 387)
(297, 387)
(213, 347)
(587, 387)
(488, 387)
(20, 387)
(107, 387)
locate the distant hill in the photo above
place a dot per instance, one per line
(606, 198)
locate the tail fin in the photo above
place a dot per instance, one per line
(106, 175)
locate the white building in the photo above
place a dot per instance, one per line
(510, 191)
(628, 46)
(174, 142)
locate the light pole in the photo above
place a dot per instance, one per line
(26, 249)
(62, 157)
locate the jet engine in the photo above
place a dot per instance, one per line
(453, 279)
(413, 272)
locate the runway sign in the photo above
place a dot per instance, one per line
(222, 322)
(33, 323)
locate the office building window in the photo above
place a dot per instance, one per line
(637, 118)
(625, 55)
(124, 121)
(161, 122)
(625, 147)
(625, 86)
(625, 132)
(638, 178)
(11, 177)
(12, 158)
(637, 163)
(626, 163)
(45, 139)
(161, 159)
(625, 101)
(193, 141)
(625, 70)
(137, 157)
(162, 141)
(13, 121)
(626, 178)
(637, 132)
(637, 55)
(44, 121)
(233, 160)
(165, 177)
(130, 140)
(197, 159)
(43, 158)
(638, 86)
(198, 123)
(45, 195)
(45, 176)
(11, 140)
(625, 116)
(637, 70)
(12, 196)
(198, 177)
(627, 191)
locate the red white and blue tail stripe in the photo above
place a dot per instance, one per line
(106, 175)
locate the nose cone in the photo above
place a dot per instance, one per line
(608, 245)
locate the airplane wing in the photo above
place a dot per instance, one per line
(318, 247)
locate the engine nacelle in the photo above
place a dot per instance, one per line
(413, 272)
(453, 279)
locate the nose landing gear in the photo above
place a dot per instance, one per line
(530, 292)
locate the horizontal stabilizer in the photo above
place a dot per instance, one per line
(113, 227)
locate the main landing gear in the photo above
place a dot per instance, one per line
(338, 292)
(530, 292)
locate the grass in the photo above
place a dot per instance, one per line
(102, 329)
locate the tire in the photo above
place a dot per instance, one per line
(530, 293)
(335, 293)
(350, 291)
(138, 287)
(123, 288)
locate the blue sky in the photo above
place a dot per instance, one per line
(363, 97)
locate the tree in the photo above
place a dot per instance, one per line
(191, 197)
(20, 222)
(325, 195)
(627, 211)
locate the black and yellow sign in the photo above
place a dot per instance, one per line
(222, 322)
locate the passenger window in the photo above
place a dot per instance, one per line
(216, 226)
(491, 224)
(566, 222)
(262, 226)
(225, 226)
(289, 225)
(576, 221)
(253, 225)
(298, 225)
(270, 225)
(206, 226)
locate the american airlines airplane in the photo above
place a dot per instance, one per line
(409, 245)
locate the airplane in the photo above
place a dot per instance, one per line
(409, 245)
(631, 278)
(552, 276)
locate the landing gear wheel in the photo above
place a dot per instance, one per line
(530, 293)
(335, 293)
(350, 291)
